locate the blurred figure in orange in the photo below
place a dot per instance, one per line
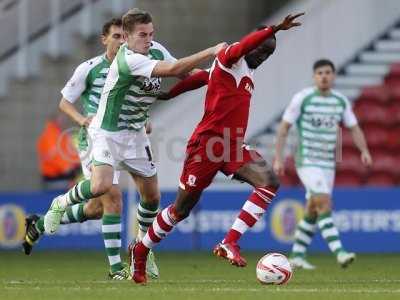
(57, 156)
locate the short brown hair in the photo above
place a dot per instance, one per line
(135, 16)
(322, 63)
(108, 24)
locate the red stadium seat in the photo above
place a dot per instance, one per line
(347, 140)
(350, 162)
(348, 178)
(374, 95)
(394, 90)
(380, 179)
(371, 114)
(384, 162)
(394, 70)
(289, 180)
(290, 167)
(393, 141)
(376, 136)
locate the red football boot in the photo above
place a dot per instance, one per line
(137, 260)
(231, 252)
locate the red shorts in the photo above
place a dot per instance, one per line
(207, 154)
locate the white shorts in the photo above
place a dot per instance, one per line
(127, 150)
(86, 163)
(316, 180)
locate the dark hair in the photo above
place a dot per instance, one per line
(108, 24)
(322, 63)
(135, 16)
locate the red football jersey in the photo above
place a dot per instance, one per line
(230, 86)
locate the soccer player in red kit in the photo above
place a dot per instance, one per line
(217, 145)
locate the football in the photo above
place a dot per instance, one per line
(273, 268)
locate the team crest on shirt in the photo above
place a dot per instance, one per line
(106, 153)
(248, 88)
(191, 180)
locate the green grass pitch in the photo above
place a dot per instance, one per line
(82, 275)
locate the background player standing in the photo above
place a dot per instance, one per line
(317, 112)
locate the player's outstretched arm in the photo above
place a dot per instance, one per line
(186, 64)
(192, 82)
(254, 39)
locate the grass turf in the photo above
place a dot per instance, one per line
(82, 275)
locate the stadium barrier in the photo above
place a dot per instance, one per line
(368, 220)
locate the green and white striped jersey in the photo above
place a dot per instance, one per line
(317, 118)
(130, 90)
(86, 84)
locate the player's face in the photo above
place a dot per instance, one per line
(324, 77)
(140, 38)
(256, 57)
(113, 40)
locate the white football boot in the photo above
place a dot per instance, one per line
(344, 258)
(298, 262)
(52, 219)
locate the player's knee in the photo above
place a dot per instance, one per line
(270, 179)
(93, 209)
(153, 197)
(97, 212)
(100, 187)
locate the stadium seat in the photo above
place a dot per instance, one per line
(347, 140)
(350, 162)
(376, 136)
(394, 90)
(380, 179)
(378, 94)
(371, 114)
(289, 181)
(393, 141)
(385, 162)
(348, 178)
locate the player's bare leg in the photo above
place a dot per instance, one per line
(329, 232)
(148, 209)
(166, 220)
(261, 176)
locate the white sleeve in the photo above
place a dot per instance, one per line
(167, 55)
(349, 118)
(140, 65)
(77, 83)
(292, 112)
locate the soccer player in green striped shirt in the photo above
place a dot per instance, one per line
(119, 140)
(317, 112)
(86, 85)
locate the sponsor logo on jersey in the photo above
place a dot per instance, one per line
(12, 225)
(284, 218)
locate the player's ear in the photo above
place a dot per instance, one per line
(103, 39)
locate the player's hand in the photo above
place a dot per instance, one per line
(164, 96)
(366, 159)
(218, 47)
(288, 22)
(86, 121)
(279, 167)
